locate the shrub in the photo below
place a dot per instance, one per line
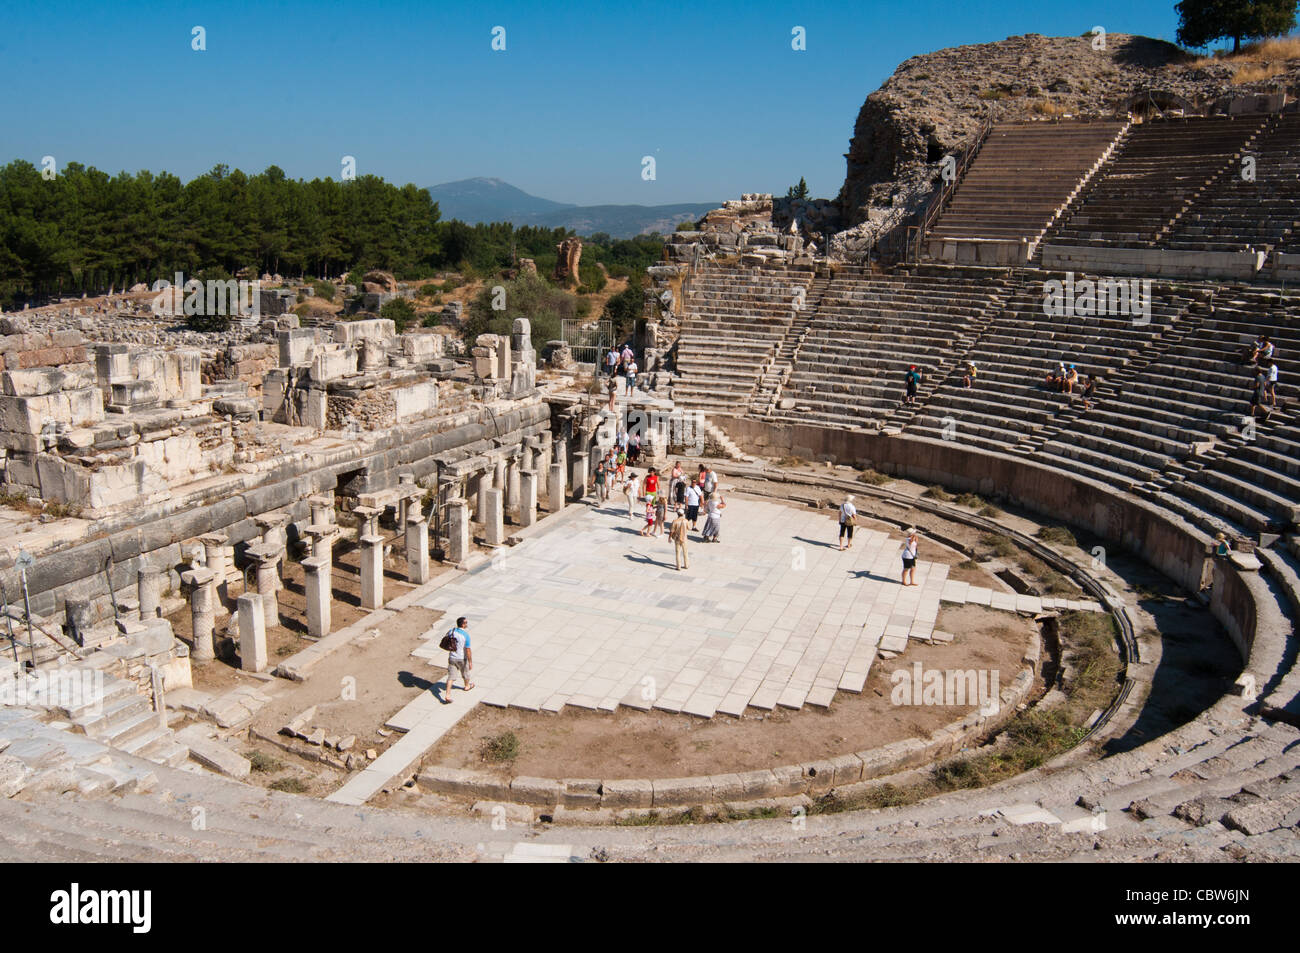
(936, 492)
(400, 312)
(1056, 535)
(323, 289)
(502, 747)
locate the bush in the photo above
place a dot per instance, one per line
(502, 747)
(998, 544)
(323, 289)
(1056, 535)
(400, 312)
(936, 492)
(872, 478)
(429, 291)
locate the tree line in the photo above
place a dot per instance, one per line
(82, 230)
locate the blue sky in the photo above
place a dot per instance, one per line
(414, 91)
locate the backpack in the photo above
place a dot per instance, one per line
(448, 643)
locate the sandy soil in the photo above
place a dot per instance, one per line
(629, 743)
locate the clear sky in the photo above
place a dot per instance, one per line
(415, 92)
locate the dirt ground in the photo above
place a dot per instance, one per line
(627, 743)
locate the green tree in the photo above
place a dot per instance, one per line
(1203, 21)
(799, 191)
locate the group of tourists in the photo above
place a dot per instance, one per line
(656, 496)
(620, 363)
(1065, 379)
(1262, 359)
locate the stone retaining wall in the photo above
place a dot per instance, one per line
(1163, 540)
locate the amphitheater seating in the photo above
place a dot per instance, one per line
(735, 319)
(1151, 180)
(865, 333)
(1235, 213)
(1024, 174)
(1008, 403)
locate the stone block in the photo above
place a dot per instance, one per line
(629, 793)
(542, 792)
(680, 792)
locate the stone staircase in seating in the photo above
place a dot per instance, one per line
(736, 317)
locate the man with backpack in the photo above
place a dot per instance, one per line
(459, 657)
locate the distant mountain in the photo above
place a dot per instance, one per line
(492, 200)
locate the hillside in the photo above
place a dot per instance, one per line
(934, 103)
(492, 200)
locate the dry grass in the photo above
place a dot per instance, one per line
(1047, 107)
(1257, 61)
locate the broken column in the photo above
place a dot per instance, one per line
(493, 518)
(417, 548)
(214, 558)
(555, 488)
(512, 484)
(579, 475)
(252, 632)
(483, 483)
(268, 580)
(148, 586)
(527, 497)
(322, 509)
(319, 572)
(457, 530)
(202, 612)
(372, 571)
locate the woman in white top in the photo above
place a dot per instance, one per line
(632, 490)
(909, 557)
(713, 518)
(848, 516)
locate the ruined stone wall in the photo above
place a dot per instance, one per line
(152, 537)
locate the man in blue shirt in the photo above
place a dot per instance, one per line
(460, 658)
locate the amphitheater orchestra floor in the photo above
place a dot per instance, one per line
(591, 614)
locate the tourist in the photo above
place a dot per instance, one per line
(1089, 390)
(1071, 381)
(677, 533)
(848, 518)
(1221, 545)
(661, 512)
(677, 485)
(620, 465)
(968, 380)
(909, 557)
(713, 508)
(1262, 354)
(601, 482)
(630, 371)
(911, 379)
(693, 497)
(626, 357)
(621, 439)
(634, 449)
(709, 483)
(1259, 395)
(611, 363)
(632, 490)
(1270, 385)
(652, 482)
(649, 526)
(459, 657)
(612, 389)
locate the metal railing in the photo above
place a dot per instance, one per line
(915, 234)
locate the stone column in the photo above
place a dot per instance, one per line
(579, 475)
(406, 486)
(493, 522)
(417, 549)
(252, 633)
(322, 510)
(372, 571)
(148, 586)
(457, 530)
(216, 558)
(512, 485)
(367, 520)
(268, 580)
(484, 484)
(555, 488)
(202, 612)
(320, 590)
(499, 477)
(527, 497)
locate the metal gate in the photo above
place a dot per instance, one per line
(588, 340)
